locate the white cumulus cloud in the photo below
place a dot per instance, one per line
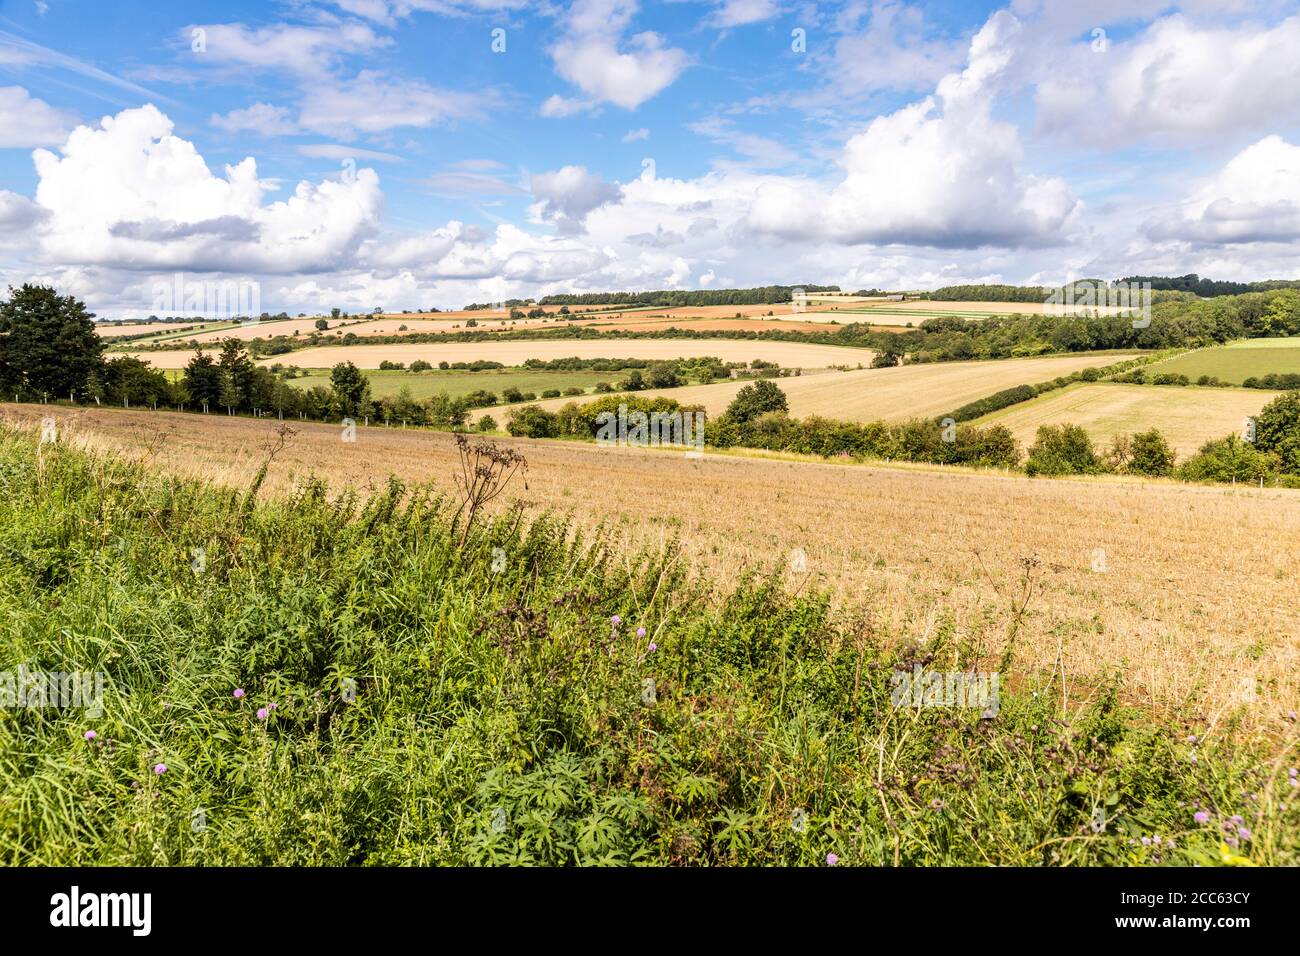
(1254, 198)
(26, 121)
(129, 194)
(594, 56)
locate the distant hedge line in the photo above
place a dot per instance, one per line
(1273, 381)
(1023, 393)
(1272, 455)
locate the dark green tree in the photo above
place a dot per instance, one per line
(237, 374)
(48, 344)
(757, 399)
(203, 379)
(351, 386)
(128, 380)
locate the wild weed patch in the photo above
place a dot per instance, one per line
(408, 699)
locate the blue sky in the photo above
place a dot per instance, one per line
(382, 152)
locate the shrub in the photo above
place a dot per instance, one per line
(551, 393)
(487, 424)
(420, 365)
(1274, 380)
(1062, 450)
(1228, 459)
(531, 421)
(512, 395)
(1146, 453)
(1277, 430)
(479, 399)
(757, 399)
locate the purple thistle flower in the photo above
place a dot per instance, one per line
(90, 735)
(616, 620)
(273, 705)
(1244, 833)
(238, 694)
(1201, 817)
(654, 647)
(160, 768)
(261, 713)
(832, 859)
(640, 632)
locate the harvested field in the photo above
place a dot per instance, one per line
(927, 550)
(786, 323)
(906, 391)
(1187, 417)
(457, 382)
(789, 354)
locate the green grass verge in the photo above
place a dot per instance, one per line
(499, 716)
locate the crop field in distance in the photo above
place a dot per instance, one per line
(788, 354)
(905, 391)
(1237, 361)
(1187, 416)
(457, 382)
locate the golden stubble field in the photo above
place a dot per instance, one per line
(1187, 591)
(872, 394)
(516, 352)
(1188, 417)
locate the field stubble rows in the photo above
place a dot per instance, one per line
(1192, 604)
(905, 391)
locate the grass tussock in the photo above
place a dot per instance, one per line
(527, 697)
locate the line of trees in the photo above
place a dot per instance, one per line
(1209, 288)
(677, 298)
